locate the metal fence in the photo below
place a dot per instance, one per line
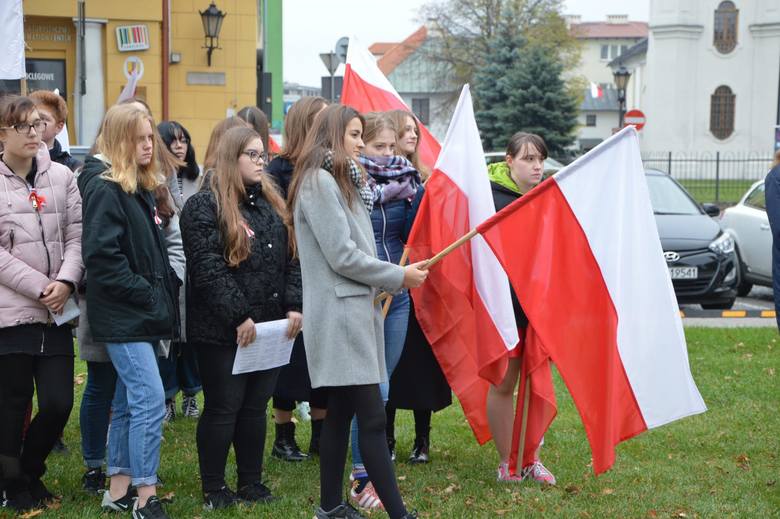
(716, 177)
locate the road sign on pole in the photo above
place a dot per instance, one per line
(635, 118)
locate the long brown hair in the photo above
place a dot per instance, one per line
(376, 122)
(169, 163)
(399, 117)
(327, 133)
(257, 119)
(229, 191)
(117, 142)
(216, 138)
(297, 124)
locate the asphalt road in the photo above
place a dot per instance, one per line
(760, 298)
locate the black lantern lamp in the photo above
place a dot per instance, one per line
(621, 77)
(212, 24)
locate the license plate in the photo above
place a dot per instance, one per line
(684, 272)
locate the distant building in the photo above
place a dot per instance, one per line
(294, 91)
(602, 42)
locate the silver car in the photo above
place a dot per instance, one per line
(747, 222)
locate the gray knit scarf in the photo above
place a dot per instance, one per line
(356, 174)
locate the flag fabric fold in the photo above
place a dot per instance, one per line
(464, 308)
(12, 40)
(366, 89)
(588, 269)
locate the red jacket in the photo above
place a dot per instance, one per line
(37, 246)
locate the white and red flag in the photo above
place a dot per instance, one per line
(366, 89)
(464, 309)
(583, 254)
(596, 91)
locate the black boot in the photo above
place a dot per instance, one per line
(391, 447)
(420, 450)
(314, 442)
(285, 447)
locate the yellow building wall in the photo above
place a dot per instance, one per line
(197, 107)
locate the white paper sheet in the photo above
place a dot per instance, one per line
(270, 349)
(69, 311)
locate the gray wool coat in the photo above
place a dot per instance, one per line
(341, 277)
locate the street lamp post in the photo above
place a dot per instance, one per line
(212, 24)
(621, 77)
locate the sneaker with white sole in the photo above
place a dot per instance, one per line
(152, 510)
(189, 406)
(367, 498)
(170, 411)
(538, 473)
(505, 476)
(123, 504)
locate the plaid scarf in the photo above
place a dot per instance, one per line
(391, 178)
(356, 175)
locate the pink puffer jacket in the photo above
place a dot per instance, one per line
(37, 247)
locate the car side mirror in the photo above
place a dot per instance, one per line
(711, 209)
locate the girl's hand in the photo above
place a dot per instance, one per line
(246, 332)
(415, 274)
(295, 324)
(55, 295)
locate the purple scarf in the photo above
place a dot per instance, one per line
(391, 178)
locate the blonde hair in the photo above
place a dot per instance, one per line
(399, 117)
(229, 192)
(117, 142)
(376, 123)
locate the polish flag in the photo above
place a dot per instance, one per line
(464, 308)
(583, 254)
(596, 91)
(12, 65)
(366, 89)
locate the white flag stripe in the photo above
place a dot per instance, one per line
(11, 40)
(609, 197)
(363, 63)
(462, 160)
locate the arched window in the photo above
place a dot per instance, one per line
(725, 34)
(722, 112)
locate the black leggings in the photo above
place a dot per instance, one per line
(318, 398)
(422, 422)
(53, 377)
(233, 412)
(365, 401)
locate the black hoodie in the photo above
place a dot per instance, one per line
(57, 154)
(131, 285)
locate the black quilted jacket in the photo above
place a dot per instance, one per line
(264, 287)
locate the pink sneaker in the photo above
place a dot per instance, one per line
(505, 477)
(367, 499)
(538, 473)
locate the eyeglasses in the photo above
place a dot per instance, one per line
(257, 158)
(24, 128)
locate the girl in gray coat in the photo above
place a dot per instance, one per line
(331, 203)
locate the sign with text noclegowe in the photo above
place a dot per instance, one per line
(42, 74)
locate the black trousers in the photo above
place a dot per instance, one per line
(23, 460)
(365, 401)
(234, 412)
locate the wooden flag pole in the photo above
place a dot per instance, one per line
(524, 426)
(389, 299)
(437, 258)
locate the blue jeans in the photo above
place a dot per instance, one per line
(396, 323)
(179, 371)
(138, 411)
(95, 412)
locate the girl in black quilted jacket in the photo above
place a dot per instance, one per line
(240, 271)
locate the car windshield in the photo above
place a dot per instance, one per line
(668, 197)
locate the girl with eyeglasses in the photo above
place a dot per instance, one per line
(241, 271)
(40, 266)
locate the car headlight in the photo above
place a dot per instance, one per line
(724, 244)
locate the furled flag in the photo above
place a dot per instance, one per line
(596, 91)
(366, 89)
(583, 254)
(132, 82)
(464, 309)
(11, 40)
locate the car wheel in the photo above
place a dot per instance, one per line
(719, 306)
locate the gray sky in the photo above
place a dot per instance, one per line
(314, 26)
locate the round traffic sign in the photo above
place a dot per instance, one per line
(635, 118)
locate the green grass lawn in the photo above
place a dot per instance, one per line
(723, 463)
(729, 192)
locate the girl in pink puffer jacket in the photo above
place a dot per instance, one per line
(40, 266)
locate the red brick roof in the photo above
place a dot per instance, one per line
(400, 51)
(595, 30)
(381, 47)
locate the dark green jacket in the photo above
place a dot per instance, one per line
(131, 288)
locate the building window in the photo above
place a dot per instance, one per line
(722, 112)
(725, 33)
(590, 120)
(605, 52)
(623, 49)
(421, 108)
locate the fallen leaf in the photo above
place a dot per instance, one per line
(680, 514)
(572, 489)
(743, 461)
(501, 512)
(652, 514)
(770, 371)
(747, 356)
(608, 491)
(168, 497)
(401, 478)
(79, 379)
(32, 513)
(771, 482)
